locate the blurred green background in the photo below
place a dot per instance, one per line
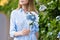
(49, 16)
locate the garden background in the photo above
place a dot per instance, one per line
(49, 16)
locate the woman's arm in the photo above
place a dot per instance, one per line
(37, 26)
(18, 34)
(22, 33)
(37, 35)
(12, 24)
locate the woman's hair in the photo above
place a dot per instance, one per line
(31, 6)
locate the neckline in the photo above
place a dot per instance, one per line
(27, 12)
(24, 11)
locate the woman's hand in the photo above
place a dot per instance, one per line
(22, 33)
(25, 32)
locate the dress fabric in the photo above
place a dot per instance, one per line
(19, 21)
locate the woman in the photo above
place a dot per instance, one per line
(24, 21)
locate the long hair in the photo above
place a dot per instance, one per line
(31, 6)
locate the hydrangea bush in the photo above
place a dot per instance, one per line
(49, 14)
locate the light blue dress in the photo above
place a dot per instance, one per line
(19, 20)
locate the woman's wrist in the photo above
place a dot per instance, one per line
(22, 33)
(18, 34)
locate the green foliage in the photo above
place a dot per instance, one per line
(12, 4)
(49, 26)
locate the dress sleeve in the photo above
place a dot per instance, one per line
(12, 24)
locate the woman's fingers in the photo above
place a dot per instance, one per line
(25, 32)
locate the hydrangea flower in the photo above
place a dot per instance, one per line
(50, 33)
(48, 24)
(57, 18)
(58, 35)
(31, 17)
(42, 8)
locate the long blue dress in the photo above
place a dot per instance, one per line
(19, 21)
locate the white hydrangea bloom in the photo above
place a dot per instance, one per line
(58, 35)
(57, 18)
(48, 24)
(42, 8)
(50, 33)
